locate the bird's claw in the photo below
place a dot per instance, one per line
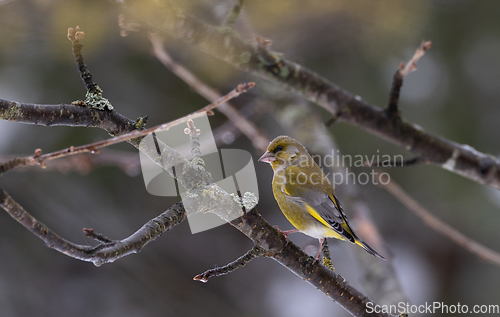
(286, 232)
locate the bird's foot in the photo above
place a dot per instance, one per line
(286, 232)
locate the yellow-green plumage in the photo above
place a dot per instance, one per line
(305, 195)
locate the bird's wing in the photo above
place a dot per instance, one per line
(324, 207)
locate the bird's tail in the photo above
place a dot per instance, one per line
(367, 248)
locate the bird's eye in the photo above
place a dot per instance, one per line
(278, 148)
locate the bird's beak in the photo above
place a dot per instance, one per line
(268, 157)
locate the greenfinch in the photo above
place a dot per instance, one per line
(305, 195)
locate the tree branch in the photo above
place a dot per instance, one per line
(226, 45)
(267, 238)
(38, 159)
(276, 247)
(94, 96)
(104, 252)
(75, 35)
(65, 115)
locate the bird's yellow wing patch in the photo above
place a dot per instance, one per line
(316, 215)
(335, 201)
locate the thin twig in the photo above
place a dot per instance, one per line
(258, 139)
(94, 147)
(85, 163)
(97, 236)
(404, 70)
(75, 35)
(411, 65)
(94, 96)
(439, 226)
(255, 252)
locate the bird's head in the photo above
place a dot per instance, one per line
(284, 151)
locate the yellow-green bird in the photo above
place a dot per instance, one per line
(305, 195)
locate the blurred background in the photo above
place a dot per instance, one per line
(355, 44)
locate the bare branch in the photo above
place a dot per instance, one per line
(273, 244)
(411, 65)
(105, 252)
(75, 35)
(460, 159)
(439, 226)
(306, 267)
(65, 115)
(93, 147)
(94, 96)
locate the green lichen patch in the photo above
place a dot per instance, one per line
(245, 57)
(140, 123)
(10, 114)
(97, 101)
